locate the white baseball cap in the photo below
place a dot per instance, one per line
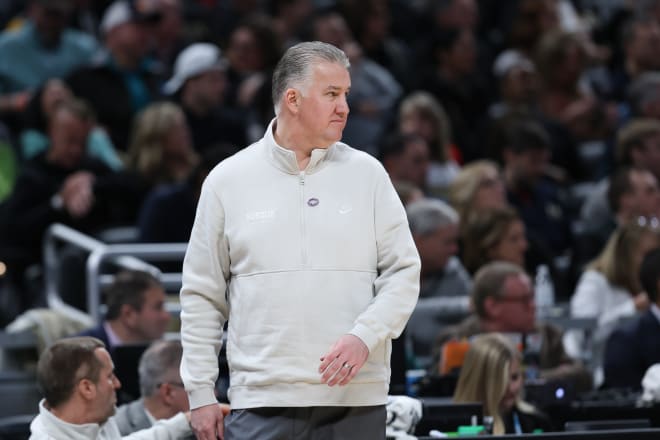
(194, 60)
(509, 59)
(126, 11)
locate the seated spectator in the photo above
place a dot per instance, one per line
(123, 79)
(526, 155)
(64, 185)
(45, 47)
(135, 311)
(408, 192)
(638, 147)
(503, 301)
(633, 347)
(497, 234)
(406, 159)
(610, 288)
(161, 150)
(34, 140)
(491, 358)
(478, 187)
(421, 114)
(78, 383)
(198, 86)
(434, 226)
(163, 395)
(168, 212)
(631, 193)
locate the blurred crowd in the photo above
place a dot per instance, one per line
(517, 131)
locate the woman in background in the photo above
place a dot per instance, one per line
(610, 290)
(492, 374)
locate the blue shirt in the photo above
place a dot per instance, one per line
(26, 64)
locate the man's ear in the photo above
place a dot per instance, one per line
(292, 100)
(128, 314)
(491, 307)
(87, 389)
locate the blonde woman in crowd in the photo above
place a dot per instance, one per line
(161, 150)
(610, 288)
(420, 113)
(496, 234)
(492, 375)
(477, 187)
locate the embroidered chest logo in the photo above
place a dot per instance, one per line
(260, 216)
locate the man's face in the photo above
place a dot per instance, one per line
(515, 309)
(175, 394)
(323, 109)
(412, 164)
(643, 49)
(50, 21)
(105, 399)
(151, 321)
(436, 248)
(68, 137)
(527, 166)
(208, 88)
(645, 195)
(648, 156)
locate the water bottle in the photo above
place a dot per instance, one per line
(544, 292)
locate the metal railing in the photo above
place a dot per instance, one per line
(122, 255)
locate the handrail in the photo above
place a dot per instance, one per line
(150, 251)
(124, 255)
(60, 232)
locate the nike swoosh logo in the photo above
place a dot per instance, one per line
(345, 209)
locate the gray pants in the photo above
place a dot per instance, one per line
(308, 423)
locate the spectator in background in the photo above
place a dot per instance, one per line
(632, 192)
(290, 18)
(494, 235)
(34, 138)
(526, 155)
(452, 79)
(374, 91)
(43, 48)
(503, 301)
(163, 395)
(637, 147)
(634, 347)
(421, 114)
(78, 383)
(518, 84)
(434, 226)
(63, 185)
(122, 80)
(406, 158)
(169, 33)
(160, 148)
(493, 375)
(478, 187)
(198, 86)
(610, 288)
(168, 212)
(135, 311)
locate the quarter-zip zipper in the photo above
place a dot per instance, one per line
(303, 231)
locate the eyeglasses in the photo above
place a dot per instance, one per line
(651, 222)
(174, 384)
(523, 299)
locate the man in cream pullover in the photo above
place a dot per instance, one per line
(302, 244)
(76, 376)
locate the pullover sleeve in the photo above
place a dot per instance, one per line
(396, 286)
(169, 429)
(204, 306)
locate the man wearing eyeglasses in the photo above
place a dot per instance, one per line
(162, 392)
(503, 301)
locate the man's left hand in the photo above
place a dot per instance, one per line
(343, 361)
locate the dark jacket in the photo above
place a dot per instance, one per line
(631, 349)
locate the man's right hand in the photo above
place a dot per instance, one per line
(207, 422)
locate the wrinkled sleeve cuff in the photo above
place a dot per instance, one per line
(367, 336)
(201, 397)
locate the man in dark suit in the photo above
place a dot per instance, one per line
(634, 347)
